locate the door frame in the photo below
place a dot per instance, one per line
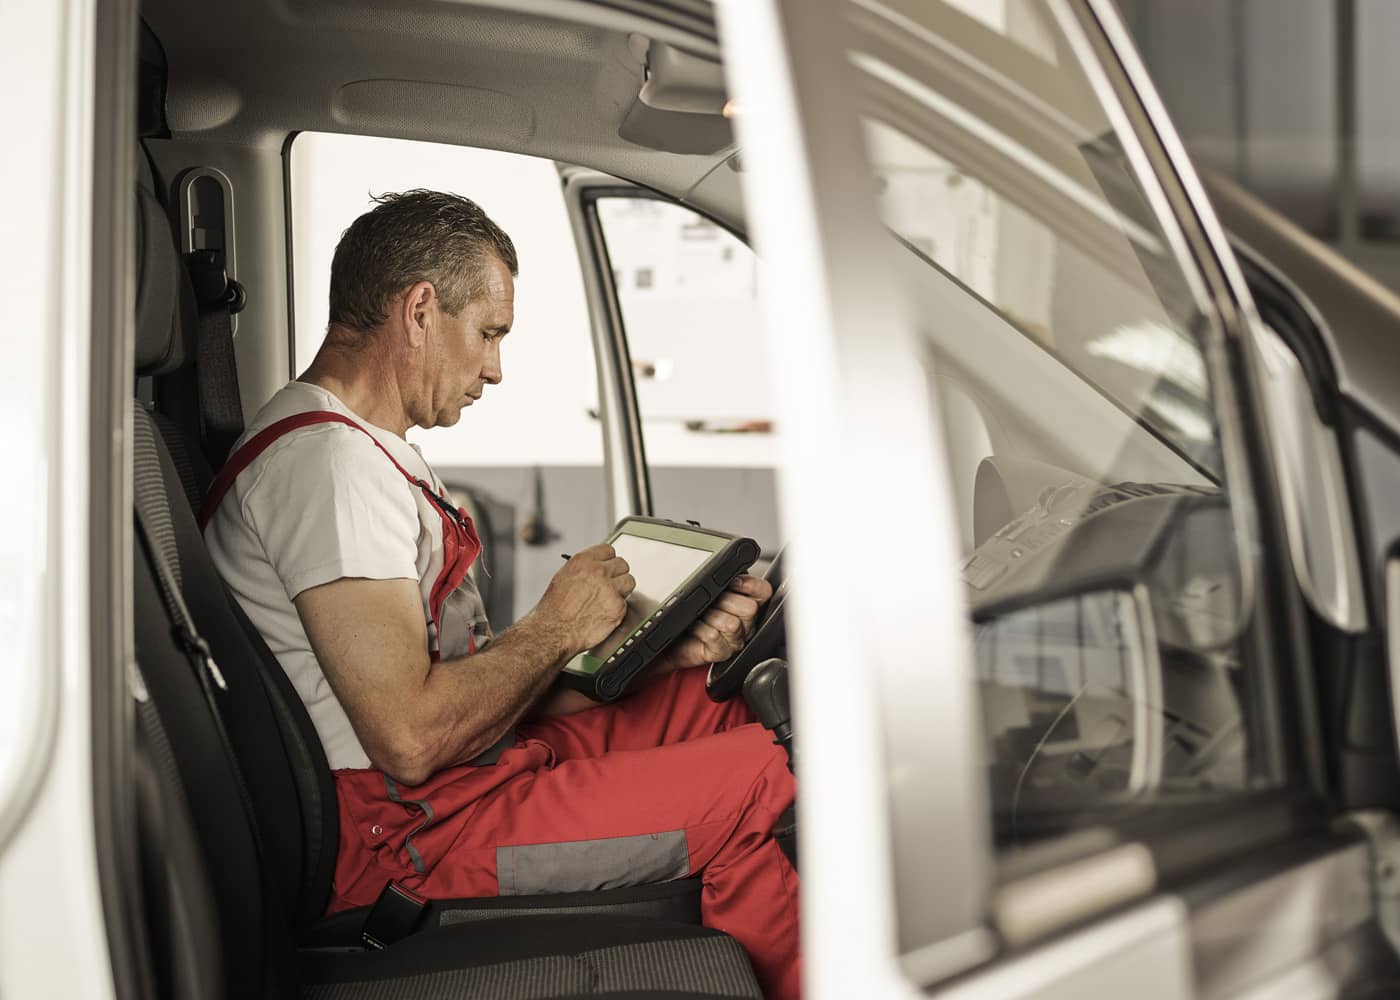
(881, 708)
(624, 449)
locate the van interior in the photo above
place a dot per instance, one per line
(236, 814)
(237, 819)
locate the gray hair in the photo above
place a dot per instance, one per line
(408, 237)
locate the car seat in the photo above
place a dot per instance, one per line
(259, 793)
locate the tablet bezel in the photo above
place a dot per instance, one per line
(586, 664)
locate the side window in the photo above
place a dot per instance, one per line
(527, 459)
(1119, 645)
(685, 288)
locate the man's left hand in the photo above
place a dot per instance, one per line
(722, 630)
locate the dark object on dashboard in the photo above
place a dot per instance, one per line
(766, 692)
(1083, 535)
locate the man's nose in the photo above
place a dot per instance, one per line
(491, 366)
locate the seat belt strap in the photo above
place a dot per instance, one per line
(394, 916)
(216, 371)
(201, 659)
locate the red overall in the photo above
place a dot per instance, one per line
(664, 785)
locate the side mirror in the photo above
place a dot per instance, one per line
(1072, 695)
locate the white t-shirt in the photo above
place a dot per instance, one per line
(322, 503)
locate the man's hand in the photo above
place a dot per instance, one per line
(722, 630)
(587, 598)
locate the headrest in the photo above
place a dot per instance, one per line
(166, 318)
(152, 74)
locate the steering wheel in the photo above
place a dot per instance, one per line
(727, 677)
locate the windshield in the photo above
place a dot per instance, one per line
(1008, 183)
(1080, 422)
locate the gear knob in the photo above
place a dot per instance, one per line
(766, 692)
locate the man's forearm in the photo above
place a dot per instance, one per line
(414, 717)
(472, 701)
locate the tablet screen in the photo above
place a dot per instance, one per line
(659, 568)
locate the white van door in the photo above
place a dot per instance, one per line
(1059, 736)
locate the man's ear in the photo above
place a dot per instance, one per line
(414, 307)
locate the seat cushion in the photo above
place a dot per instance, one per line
(539, 958)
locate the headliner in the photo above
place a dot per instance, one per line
(549, 78)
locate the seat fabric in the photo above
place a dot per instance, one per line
(501, 960)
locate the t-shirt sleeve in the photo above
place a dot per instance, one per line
(328, 504)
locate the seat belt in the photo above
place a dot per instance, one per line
(394, 916)
(186, 927)
(201, 659)
(210, 677)
(216, 372)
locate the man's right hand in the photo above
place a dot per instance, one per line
(587, 598)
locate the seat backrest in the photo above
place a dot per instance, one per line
(254, 942)
(277, 751)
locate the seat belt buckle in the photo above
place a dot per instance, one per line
(394, 916)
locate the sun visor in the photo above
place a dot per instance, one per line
(680, 107)
(675, 131)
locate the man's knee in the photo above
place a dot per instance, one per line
(751, 751)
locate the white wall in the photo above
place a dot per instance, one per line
(539, 414)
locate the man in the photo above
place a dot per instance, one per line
(459, 769)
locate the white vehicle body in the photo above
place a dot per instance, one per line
(905, 890)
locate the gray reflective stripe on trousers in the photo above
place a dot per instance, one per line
(586, 865)
(428, 817)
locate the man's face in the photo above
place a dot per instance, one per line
(467, 354)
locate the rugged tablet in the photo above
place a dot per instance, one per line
(680, 569)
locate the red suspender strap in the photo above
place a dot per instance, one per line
(461, 545)
(261, 441)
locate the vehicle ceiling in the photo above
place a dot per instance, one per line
(550, 78)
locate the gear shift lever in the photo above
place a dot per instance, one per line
(766, 692)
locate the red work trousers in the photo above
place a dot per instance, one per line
(666, 784)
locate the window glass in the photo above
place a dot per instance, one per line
(1125, 345)
(1377, 122)
(1252, 87)
(685, 288)
(527, 459)
(1111, 613)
